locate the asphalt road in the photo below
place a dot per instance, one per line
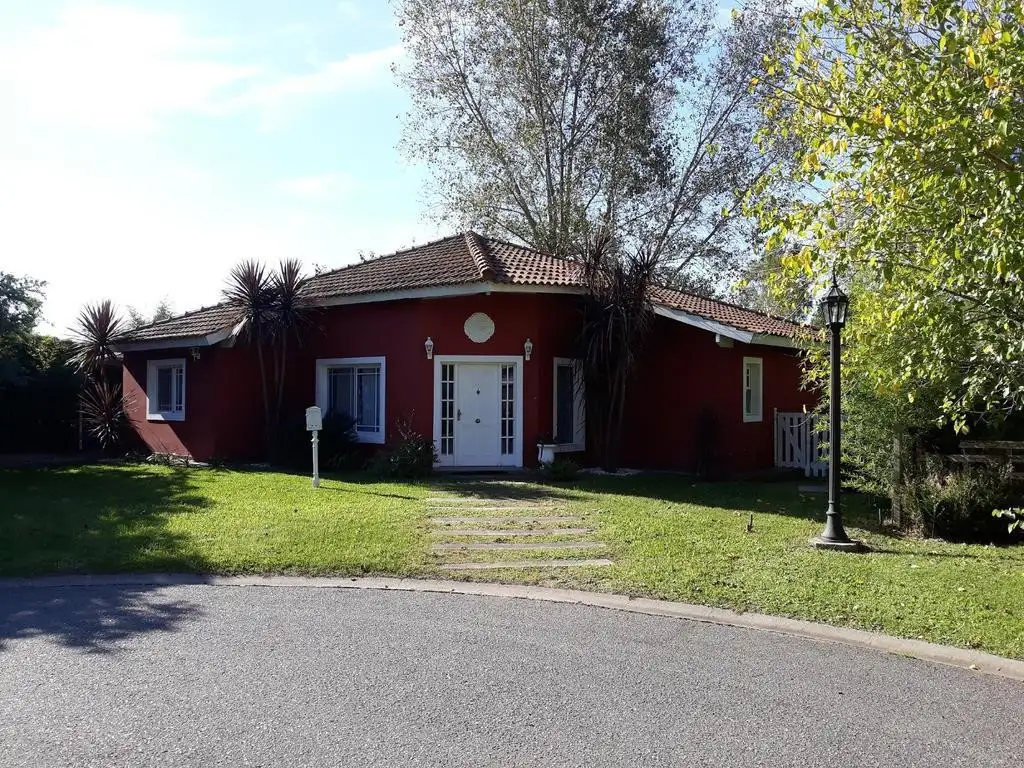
(231, 676)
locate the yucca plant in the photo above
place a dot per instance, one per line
(101, 404)
(250, 291)
(272, 310)
(104, 412)
(292, 316)
(96, 331)
(617, 319)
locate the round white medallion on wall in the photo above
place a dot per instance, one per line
(478, 327)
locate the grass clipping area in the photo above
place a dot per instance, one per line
(670, 538)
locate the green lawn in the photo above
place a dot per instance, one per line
(670, 538)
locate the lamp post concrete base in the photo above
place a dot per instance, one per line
(852, 545)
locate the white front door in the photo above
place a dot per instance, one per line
(478, 415)
(478, 410)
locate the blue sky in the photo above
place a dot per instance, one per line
(146, 147)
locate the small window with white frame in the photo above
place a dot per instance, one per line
(569, 417)
(753, 388)
(354, 387)
(165, 390)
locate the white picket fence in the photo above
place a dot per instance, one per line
(799, 445)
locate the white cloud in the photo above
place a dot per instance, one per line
(116, 67)
(320, 187)
(121, 68)
(175, 233)
(355, 71)
(96, 201)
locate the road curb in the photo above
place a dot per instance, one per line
(976, 661)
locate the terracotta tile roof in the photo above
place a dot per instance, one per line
(199, 322)
(460, 260)
(517, 265)
(442, 262)
(727, 314)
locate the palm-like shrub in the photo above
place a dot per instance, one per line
(104, 412)
(617, 318)
(273, 311)
(96, 333)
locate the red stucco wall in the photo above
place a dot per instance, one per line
(398, 330)
(222, 404)
(684, 371)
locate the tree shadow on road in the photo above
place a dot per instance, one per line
(95, 619)
(94, 519)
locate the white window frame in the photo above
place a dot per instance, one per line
(323, 366)
(152, 394)
(757, 401)
(579, 442)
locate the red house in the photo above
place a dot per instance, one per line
(471, 339)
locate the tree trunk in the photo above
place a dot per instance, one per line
(898, 479)
(266, 396)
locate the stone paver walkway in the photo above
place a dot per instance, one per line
(476, 523)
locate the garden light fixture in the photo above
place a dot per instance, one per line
(834, 307)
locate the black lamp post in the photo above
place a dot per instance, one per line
(834, 307)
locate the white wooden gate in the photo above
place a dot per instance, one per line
(799, 444)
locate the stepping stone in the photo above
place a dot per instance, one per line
(504, 520)
(597, 563)
(520, 532)
(812, 489)
(519, 508)
(489, 546)
(483, 502)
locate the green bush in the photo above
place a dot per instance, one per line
(560, 470)
(956, 504)
(413, 456)
(338, 443)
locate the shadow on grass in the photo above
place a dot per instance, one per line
(93, 619)
(378, 494)
(1006, 551)
(511, 488)
(94, 519)
(777, 498)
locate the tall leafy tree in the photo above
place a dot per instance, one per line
(908, 114)
(21, 304)
(136, 319)
(38, 387)
(545, 121)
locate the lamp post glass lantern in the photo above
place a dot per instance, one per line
(834, 307)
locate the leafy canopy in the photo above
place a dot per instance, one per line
(908, 114)
(546, 121)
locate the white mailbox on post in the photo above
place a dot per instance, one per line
(314, 419)
(314, 423)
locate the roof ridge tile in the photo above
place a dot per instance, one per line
(480, 256)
